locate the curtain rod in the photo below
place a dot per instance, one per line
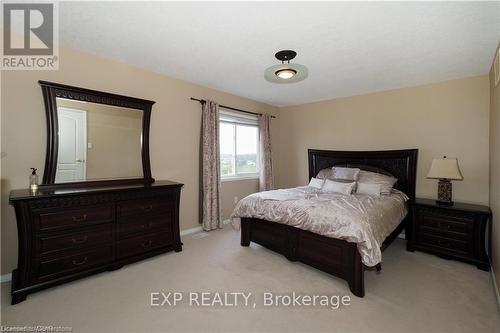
(202, 101)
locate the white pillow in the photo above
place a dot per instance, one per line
(368, 177)
(345, 173)
(338, 187)
(370, 189)
(316, 183)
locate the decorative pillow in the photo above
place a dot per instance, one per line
(316, 183)
(345, 173)
(369, 188)
(338, 187)
(368, 177)
(325, 174)
(328, 174)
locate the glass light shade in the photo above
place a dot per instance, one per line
(286, 73)
(445, 168)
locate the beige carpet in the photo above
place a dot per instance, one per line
(416, 292)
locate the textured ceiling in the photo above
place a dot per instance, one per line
(349, 48)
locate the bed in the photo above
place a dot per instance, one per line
(339, 257)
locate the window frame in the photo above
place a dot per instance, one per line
(240, 176)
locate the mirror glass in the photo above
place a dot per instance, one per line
(97, 141)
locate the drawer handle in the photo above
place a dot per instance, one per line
(147, 226)
(79, 241)
(80, 218)
(446, 226)
(147, 208)
(443, 243)
(78, 263)
(146, 244)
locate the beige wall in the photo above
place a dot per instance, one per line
(175, 127)
(495, 172)
(238, 189)
(449, 118)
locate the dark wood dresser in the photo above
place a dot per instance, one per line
(452, 232)
(66, 234)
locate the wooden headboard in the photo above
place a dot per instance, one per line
(401, 164)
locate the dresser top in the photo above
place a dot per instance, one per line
(26, 194)
(456, 206)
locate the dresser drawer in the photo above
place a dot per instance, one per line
(143, 225)
(74, 217)
(445, 243)
(69, 241)
(49, 268)
(143, 244)
(149, 206)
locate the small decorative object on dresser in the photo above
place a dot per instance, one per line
(445, 169)
(33, 179)
(453, 232)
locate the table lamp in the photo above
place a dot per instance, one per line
(445, 169)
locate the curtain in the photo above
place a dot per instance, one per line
(210, 155)
(266, 181)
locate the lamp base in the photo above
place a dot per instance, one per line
(444, 192)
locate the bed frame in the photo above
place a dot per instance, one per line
(334, 256)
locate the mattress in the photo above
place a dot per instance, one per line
(362, 219)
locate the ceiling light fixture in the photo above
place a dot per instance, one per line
(286, 72)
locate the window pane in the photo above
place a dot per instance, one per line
(246, 149)
(226, 149)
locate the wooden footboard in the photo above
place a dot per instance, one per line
(333, 256)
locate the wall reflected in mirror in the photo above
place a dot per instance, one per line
(97, 141)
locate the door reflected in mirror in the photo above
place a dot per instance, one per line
(97, 141)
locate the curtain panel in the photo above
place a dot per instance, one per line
(266, 179)
(210, 168)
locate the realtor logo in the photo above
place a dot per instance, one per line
(29, 36)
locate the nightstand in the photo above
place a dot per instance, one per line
(452, 232)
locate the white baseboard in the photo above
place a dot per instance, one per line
(495, 286)
(191, 231)
(198, 229)
(6, 278)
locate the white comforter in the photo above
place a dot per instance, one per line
(361, 219)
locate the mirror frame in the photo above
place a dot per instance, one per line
(51, 91)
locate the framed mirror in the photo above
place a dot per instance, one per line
(95, 137)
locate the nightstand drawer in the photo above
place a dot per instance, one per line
(445, 243)
(446, 223)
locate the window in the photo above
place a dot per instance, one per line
(239, 145)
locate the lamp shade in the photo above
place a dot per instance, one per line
(445, 168)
